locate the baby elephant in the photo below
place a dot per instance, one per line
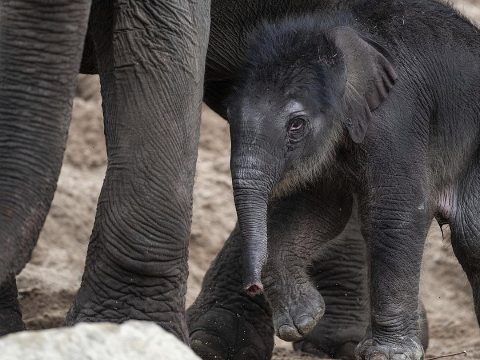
(387, 112)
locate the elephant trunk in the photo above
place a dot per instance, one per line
(252, 187)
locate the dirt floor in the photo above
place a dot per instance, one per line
(49, 281)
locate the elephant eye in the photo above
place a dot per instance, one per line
(296, 128)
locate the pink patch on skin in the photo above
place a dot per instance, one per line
(446, 203)
(254, 289)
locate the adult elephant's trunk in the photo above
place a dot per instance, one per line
(252, 184)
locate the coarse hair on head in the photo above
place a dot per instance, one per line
(289, 56)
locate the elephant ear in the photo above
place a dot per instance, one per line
(369, 78)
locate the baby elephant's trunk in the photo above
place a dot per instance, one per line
(252, 187)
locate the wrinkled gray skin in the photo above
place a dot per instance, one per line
(150, 59)
(226, 323)
(136, 264)
(373, 100)
(150, 56)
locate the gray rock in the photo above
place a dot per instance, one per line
(135, 340)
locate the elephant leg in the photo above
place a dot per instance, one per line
(301, 227)
(10, 314)
(40, 51)
(224, 322)
(340, 274)
(150, 57)
(465, 228)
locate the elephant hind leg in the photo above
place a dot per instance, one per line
(465, 231)
(10, 314)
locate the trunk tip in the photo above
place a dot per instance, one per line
(254, 289)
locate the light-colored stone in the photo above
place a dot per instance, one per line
(133, 340)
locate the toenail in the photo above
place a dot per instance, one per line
(305, 324)
(288, 333)
(377, 356)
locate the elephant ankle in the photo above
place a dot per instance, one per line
(98, 304)
(10, 314)
(10, 322)
(174, 323)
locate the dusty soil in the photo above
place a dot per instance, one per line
(49, 281)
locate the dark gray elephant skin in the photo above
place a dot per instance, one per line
(40, 55)
(376, 100)
(226, 323)
(150, 56)
(136, 266)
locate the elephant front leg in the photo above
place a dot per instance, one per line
(300, 228)
(395, 223)
(40, 51)
(151, 63)
(340, 275)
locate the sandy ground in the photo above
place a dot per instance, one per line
(49, 281)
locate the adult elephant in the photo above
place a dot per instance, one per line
(150, 56)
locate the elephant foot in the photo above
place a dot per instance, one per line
(296, 309)
(90, 312)
(299, 320)
(408, 348)
(336, 350)
(10, 321)
(10, 314)
(222, 334)
(337, 340)
(337, 334)
(136, 298)
(174, 323)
